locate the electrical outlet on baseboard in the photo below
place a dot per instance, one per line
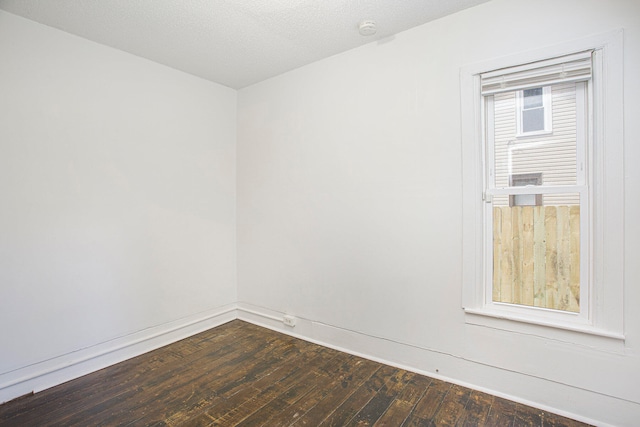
(289, 320)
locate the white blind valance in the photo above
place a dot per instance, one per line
(570, 68)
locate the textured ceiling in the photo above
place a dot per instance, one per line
(232, 42)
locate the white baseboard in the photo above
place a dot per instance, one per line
(582, 405)
(49, 373)
(594, 408)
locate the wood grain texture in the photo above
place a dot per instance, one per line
(239, 374)
(536, 256)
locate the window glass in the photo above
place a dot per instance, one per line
(536, 253)
(532, 97)
(533, 120)
(551, 154)
(535, 228)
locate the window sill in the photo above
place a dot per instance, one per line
(575, 333)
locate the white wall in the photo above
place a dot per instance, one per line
(117, 184)
(349, 208)
(118, 219)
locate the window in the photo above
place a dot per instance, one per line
(534, 112)
(524, 180)
(534, 249)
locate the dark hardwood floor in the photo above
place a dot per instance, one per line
(241, 374)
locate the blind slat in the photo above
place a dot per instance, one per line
(570, 68)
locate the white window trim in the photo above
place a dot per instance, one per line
(546, 105)
(605, 317)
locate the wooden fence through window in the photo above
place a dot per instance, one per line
(536, 256)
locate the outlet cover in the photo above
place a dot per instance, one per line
(289, 320)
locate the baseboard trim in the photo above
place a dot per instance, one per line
(367, 347)
(46, 374)
(49, 373)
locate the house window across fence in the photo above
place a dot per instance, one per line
(533, 111)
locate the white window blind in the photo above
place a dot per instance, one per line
(570, 68)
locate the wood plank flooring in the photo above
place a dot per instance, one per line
(239, 374)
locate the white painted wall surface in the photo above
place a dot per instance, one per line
(349, 208)
(117, 193)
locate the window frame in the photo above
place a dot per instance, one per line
(581, 187)
(547, 113)
(605, 315)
